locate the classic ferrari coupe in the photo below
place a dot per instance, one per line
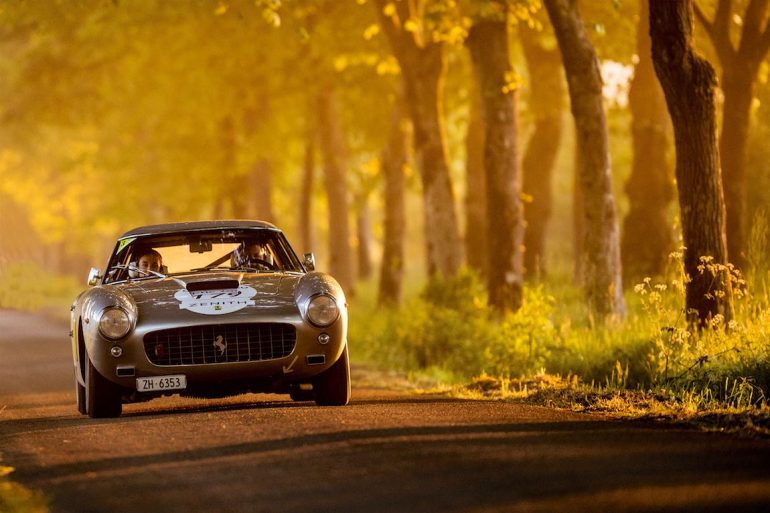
(208, 309)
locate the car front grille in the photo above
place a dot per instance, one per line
(220, 343)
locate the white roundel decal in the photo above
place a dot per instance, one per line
(217, 301)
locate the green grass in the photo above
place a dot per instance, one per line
(15, 498)
(29, 287)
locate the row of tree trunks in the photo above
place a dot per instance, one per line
(689, 84)
(546, 93)
(249, 195)
(601, 243)
(647, 233)
(423, 66)
(489, 48)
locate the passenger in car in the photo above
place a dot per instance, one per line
(149, 260)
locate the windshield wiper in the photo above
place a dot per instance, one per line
(146, 273)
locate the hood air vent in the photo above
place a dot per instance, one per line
(212, 285)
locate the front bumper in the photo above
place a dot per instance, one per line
(308, 358)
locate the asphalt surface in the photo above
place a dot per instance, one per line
(388, 451)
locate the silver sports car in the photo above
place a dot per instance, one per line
(208, 309)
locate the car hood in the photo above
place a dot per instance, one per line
(213, 295)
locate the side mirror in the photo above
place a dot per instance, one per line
(309, 262)
(93, 276)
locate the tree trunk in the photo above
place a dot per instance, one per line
(601, 244)
(647, 233)
(261, 186)
(423, 66)
(488, 43)
(364, 236)
(231, 201)
(394, 159)
(333, 150)
(737, 86)
(260, 175)
(740, 67)
(689, 85)
(475, 186)
(306, 194)
(546, 93)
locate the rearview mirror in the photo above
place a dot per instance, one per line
(201, 246)
(309, 262)
(93, 277)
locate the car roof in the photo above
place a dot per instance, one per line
(155, 229)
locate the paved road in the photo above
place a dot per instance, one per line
(387, 451)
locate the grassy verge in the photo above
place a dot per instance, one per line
(661, 404)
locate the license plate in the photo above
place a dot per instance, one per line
(161, 383)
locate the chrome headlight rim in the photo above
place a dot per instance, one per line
(312, 314)
(127, 323)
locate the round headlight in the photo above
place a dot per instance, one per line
(322, 310)
(114, 323)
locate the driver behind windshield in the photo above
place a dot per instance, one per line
(148, 261)
(252, 256)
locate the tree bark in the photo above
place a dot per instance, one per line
(333, 150)
(740, 68)
(423, 66)
(647, 234)
(689, 85)
(578, 220)
(488, 44)
(601, 244)
(394, 159)
(546, 92)
(475, 186)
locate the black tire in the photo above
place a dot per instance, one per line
(103, 397)
(332, 388)
(80, 395)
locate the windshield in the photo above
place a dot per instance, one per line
(247, 250)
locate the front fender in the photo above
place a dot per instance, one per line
(315, 283)
(86, 335)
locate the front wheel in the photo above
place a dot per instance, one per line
(102, 396)
(80, 395)
(332, 388)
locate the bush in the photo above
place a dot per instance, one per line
(450, 326)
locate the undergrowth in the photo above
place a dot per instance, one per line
(654, 356)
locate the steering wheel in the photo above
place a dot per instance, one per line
(259, 262)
